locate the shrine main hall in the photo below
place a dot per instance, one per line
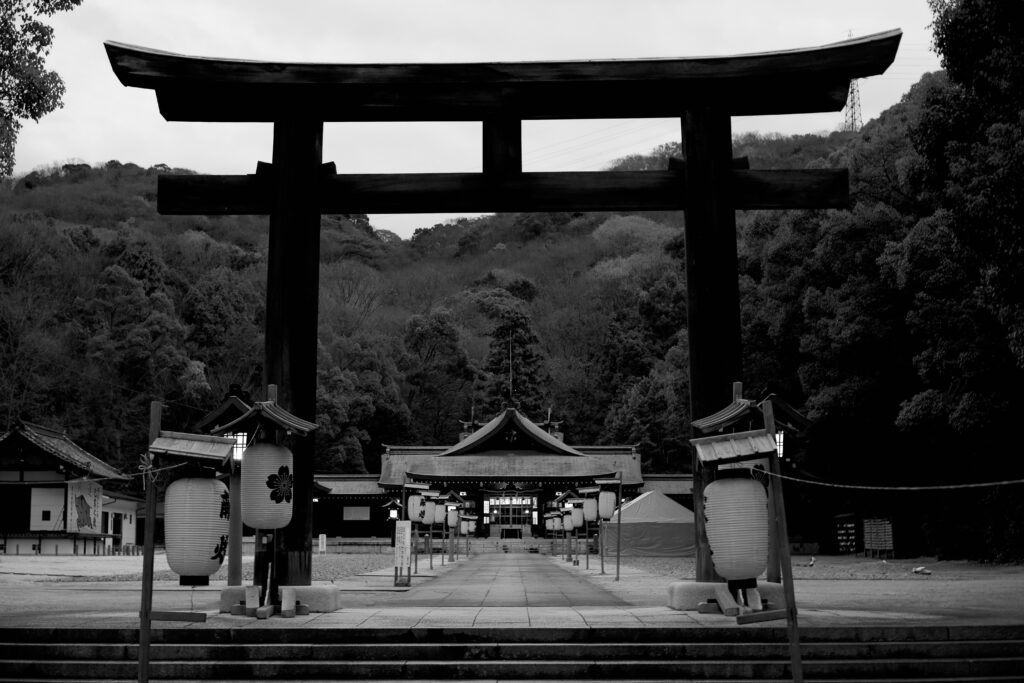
(508, 472)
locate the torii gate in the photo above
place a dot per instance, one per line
(297, 188)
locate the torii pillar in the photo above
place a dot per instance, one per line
(296, 189)
(290, 342)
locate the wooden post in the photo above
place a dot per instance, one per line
(618, 526)
(148, 550)
(713, 304)
(782, 539)
(235, 530)
(293, 273)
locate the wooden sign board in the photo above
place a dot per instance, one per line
(403, 551)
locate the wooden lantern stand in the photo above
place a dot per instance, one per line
(743, 447)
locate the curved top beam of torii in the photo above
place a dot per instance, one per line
(783, 82)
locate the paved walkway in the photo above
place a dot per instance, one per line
(512, 580)
(520, 590)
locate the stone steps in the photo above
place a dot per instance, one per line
(423, 654)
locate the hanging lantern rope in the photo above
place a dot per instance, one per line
(938, 487)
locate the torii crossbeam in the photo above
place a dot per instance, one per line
(297, 188)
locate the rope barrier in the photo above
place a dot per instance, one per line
(938, 487)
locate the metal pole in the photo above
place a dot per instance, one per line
(618, 541)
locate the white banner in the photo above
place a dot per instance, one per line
(84, 507)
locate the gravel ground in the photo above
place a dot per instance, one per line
(330, 567)
(843, 567)
(327, 567)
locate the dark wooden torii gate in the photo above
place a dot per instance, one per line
(297, 187)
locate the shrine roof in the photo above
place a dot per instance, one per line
(229, 410)
(267, 412)
(191, 88)
(509, 448)
(60, 446)
(511, 422)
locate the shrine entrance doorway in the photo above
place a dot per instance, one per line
(511, 516)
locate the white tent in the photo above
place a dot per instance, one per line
(653, 525)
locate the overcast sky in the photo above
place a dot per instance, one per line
(102, 120)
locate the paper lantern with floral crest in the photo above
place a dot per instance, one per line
(736, 510)
(196, 521)
(267, 486)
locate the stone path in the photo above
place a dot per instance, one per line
(508, 580)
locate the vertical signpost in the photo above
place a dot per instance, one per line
(403, 552)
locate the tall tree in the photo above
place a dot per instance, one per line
(516, 369)
(438, 377)
(27, 89)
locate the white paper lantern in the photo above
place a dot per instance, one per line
(736, 510)
(464, 527)
(567, 520)
(556, 524)
(428, 511)
(267, 486)
(440, 512)
(606, 504)
(472, 526)
(453, 518)
(577, 518)
(414, 507)
(590, 509)
(196, 523)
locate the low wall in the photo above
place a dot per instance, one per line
(50, 545)
(337, 545)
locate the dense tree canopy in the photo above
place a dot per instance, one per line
(897, 325)
(27, 89)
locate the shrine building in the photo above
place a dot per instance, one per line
(508, 472)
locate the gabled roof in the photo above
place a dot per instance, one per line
(742, 409)
(60, 446)
(511, 421)
(487, 455)
(228, 411)
(267, 412)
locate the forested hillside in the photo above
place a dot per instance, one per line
(896, 325)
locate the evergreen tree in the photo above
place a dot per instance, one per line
(516, 373)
